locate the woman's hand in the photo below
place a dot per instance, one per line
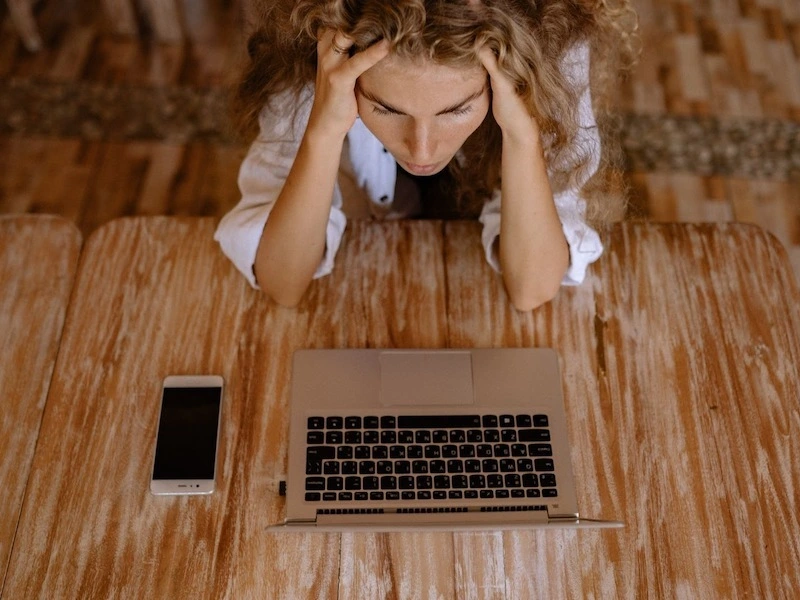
(335, 109)
(508, 108)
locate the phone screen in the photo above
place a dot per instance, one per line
(186, 446)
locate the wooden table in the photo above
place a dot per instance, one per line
(38, 260)
(680, 363)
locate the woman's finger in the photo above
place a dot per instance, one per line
(365, 59)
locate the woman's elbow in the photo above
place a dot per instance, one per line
(532, 295)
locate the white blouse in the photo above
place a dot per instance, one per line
(368, 169)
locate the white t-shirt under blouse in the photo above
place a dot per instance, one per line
(368, 169)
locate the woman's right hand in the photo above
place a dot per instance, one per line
(335, 109)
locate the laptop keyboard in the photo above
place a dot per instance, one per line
(429, 457)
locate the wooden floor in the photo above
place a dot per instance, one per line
(713, 111)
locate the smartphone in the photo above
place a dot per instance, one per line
(188, 435)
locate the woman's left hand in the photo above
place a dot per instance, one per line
(508, 108)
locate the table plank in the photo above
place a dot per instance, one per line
(38, 260)
(155, 297)
(679, 359)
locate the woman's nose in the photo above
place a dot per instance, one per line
(421, 143)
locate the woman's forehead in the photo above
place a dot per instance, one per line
(420, 76)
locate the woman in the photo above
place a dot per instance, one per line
(360, 102)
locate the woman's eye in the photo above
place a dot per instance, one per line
(462, 111)
(381, 111)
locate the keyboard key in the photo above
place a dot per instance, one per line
(477, 481)
(458, 436)
(490, 465)
(524, 465)
(385, 467)
(352, 483)
(360, 496)
(512, 480)
(352, 437)
(437, 466)
(487, 494)
(494, 481)
(475, 436)
(432, 451)
(466, 450)
(501, 450)
(334, 423)
(389, 436)
(313, 496)
(533, 493)
(371, 422)
(441, 482)
(422, 437)
(474, 466)
(419, 466)
(314, 467)
(388, 482)
(334, 437)
(363, 452)
(508, 465)
(423, 495)
(549, 493)
(450, 451)
(506, 420)
(440, 436)
(370, 483)
(330, 467)
(366, 467)
(544, 464)
(406, 482)
(344, 452)
(529, 480)
(508, 435)
(335, 483)
(315, 484)
(518, 493)
(547, 480)
(372, 437)
(424, 482)
(349, 467)
(519, 450)
(403, 466)
(470, 494)
(393, 495)
(352, 423)
(388, 422)
(316, 423)
(414, 451)
(501, 494)
(484, 450)
(315, 437)
(524, 421)
(438, 421)
(439, 495)
(320, 453)
(329, 497)
(380, 452)
(376, 495)
(534, 435)
(397, 451)
(540, 450)
(345, 496)
(405, 437)
(408, 495)
(540, 421)
(489, 420)
(455, 494)
(491, 435)
(460, 481)
(455, 466)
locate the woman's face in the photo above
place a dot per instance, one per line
(422, 112)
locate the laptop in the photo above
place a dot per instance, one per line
(394, 440)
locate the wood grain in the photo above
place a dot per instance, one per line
(679, 360)
(38, 260)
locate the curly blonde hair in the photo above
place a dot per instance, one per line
(530, 39)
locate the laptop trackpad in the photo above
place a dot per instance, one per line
(425, 378)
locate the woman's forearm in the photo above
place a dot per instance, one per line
(293, 241)
(533, 251)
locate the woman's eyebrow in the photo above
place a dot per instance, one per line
(450, 109)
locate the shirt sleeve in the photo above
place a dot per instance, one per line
(584, 242)
(261, 178)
